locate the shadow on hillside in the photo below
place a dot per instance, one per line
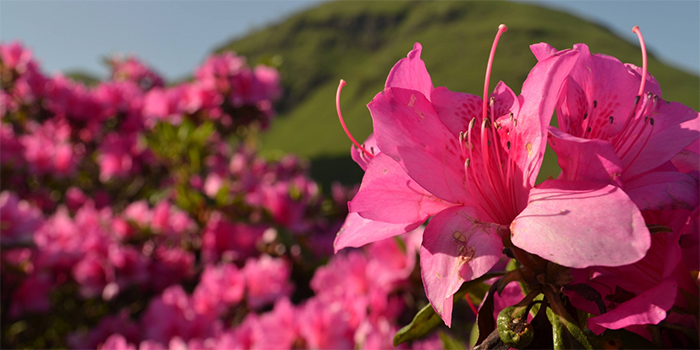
(326, 170)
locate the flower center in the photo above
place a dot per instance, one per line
(490, 180)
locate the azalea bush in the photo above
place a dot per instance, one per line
(136, 214)
(604, 256)
(139, 215)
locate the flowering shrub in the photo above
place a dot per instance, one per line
(604, 254)
(136, 215)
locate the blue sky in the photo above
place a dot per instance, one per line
(175, 36)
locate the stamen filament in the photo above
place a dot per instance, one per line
(501, 29)
(342, 122)
(644, 59)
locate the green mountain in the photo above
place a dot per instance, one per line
(360, 41)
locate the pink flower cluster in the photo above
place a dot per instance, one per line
(51, 124)
(629, 167)
(128, 214)
(358, 297)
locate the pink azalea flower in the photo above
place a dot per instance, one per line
(164, 104)
(131, 268)
(93, 273)
(130, 69)
(123, 101)
(472, 164)
(327, 325)
(116, 342)
(169, 266)
(236, 241)
(217, 71)
(171, 314)
(266, 280)
(18, 219)
(375, 335)
(637, 294)
(14, 56)
(47, 149)
(219, 287)
(118, 156)
(32, 295)
(615, 128)
(75, 198)
(12, 148)
(170, 220)
(277, 329)
(139, 213)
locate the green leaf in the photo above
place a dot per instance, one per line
(427, 319)
(566, 334)
(450, 342)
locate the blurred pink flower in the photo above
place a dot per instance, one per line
(48, 150)
(235, 240)
(220, 286)
(32, 295)
(19, 220)
(266, 280)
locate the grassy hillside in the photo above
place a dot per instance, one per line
(360, 42)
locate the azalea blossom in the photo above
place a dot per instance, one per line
(472, 164)
(615, 128)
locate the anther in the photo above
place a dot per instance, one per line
(589, 129)
(651, 121)
(467, 162)
(484, 123)
(585, 115)
(595, 103)
(611, 119)
(508, 145)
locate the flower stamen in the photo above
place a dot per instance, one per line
(644, 59)
(342, 122)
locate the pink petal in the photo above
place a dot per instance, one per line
(647, 308)
(663, 190)
(580, 224)
(505, 100)
(600, 86)
(584, 159)
(688, 160)
(358, 231)
(410, 73)
(675, 127)
(542, 51)
(360, 157)
(538, 98)
(387, 194)
(455, 109)
(456, 248)
(408, 129)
